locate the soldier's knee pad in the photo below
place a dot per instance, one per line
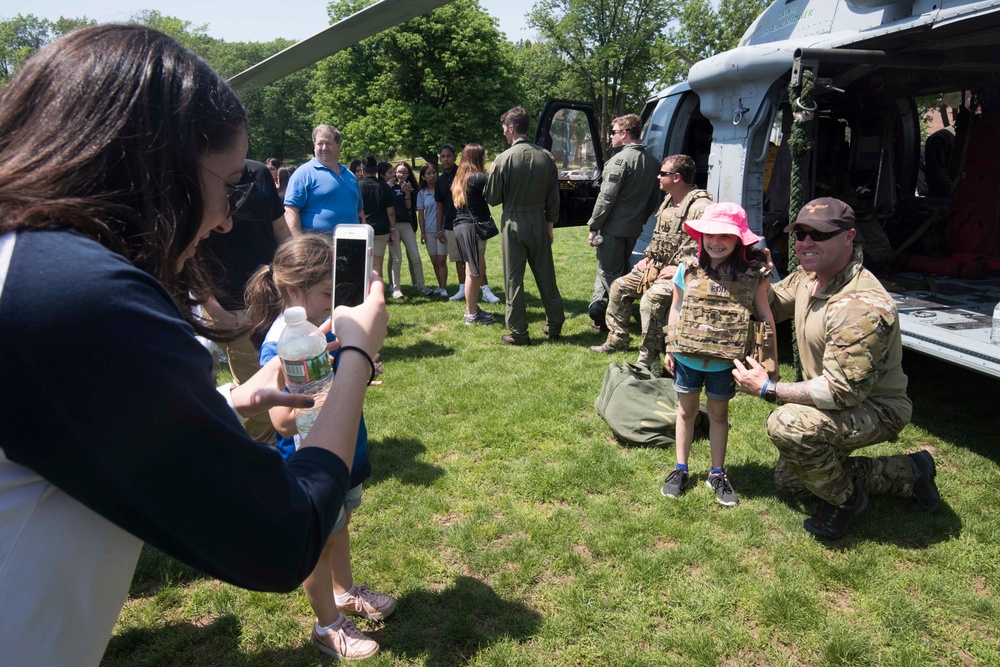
(597, 311)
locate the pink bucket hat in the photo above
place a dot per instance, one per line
(722, 218)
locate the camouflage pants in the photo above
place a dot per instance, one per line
(815, 447)
(654, 307)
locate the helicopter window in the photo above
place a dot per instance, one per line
(573, 145)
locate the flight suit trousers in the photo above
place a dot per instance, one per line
(613, 256)
(528, 243)
(654, 307)
(815, 447)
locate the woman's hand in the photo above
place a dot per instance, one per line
(364, 326)
(263, 391)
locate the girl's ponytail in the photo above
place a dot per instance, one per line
(264, 303)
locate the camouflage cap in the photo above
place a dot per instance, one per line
(825, 214)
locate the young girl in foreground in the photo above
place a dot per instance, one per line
(714, 300)
(301, 275)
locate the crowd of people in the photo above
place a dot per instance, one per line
(133, 440)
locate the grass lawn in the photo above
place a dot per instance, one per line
(516, 531)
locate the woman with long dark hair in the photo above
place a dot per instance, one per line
(119, 152)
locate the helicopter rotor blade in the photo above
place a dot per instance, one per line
(369, 21)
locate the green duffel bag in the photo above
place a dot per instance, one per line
(641, 409)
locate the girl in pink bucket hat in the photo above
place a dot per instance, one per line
(719, 303)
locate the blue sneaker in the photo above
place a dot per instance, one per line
(480, 317)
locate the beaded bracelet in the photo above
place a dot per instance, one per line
(343, 348)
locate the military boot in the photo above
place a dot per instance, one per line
(830, 522)
(925, 496)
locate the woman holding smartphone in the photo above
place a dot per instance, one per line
(132, 442)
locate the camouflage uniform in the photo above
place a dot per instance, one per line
(669, 245)
(628, 197)
(850, 351)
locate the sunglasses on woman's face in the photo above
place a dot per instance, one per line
(817, 237)
(238, 192)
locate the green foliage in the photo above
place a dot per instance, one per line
(704, 31)
(443, 76)
(280, 120)
(194, 37)
(543, 76)
(609, 49)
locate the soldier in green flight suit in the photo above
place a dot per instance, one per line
(524, 178)
(854, 389)
(627, 198)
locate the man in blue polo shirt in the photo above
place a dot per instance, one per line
(323, 193)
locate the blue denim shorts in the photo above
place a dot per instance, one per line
(351, 502)
(719, 385)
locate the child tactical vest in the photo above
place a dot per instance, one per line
(716, 318)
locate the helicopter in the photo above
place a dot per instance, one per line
(868, 66)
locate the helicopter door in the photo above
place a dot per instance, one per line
(569, 131)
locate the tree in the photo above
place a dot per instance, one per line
(704, 31)
(194, 37)
(444, 76)
(609, 48)
(280, 120)
(543, 75)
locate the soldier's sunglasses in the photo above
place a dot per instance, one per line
(238, 192)
(667, 173)
(817, 237)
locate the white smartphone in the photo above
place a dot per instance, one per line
(352, 263)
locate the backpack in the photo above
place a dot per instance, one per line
(640, 409)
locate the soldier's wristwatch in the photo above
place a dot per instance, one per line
(770, 392)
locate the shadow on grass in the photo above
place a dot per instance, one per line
(155, 570)
(210, 641)
(887, 520)
(448, 628)
(422, 350)
(207, 641)
(954, 403)
(397, 457)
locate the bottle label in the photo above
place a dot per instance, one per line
(306, 370)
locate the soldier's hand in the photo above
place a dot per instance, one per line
(641, 264)
(667, 272)
(769, 263)
(751, 377)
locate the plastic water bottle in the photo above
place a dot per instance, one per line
(598, 240)
(995, 331)
(306, 363)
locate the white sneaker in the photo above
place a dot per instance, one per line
(440, 291)
(397, 293)
(489, 295)
(344, 641)
(459, 295)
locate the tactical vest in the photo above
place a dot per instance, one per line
(716, 314)
(669, 237)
